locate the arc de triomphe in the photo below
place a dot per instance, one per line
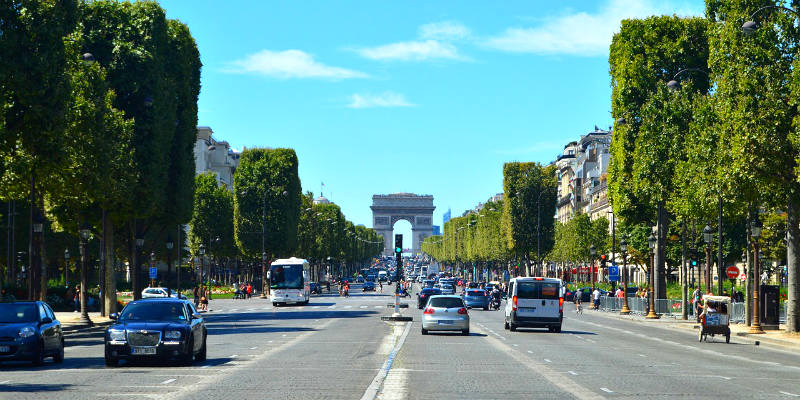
(390, 208)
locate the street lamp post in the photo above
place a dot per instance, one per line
(755, 232)
(169, 244)
(152, 264)
(264, 280)
(592, 251)
(66, 266)
(135, 276)
(651, 314)
(708, 237)
(202, 252)
(623, 246)
(84, 319)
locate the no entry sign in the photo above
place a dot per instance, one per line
(732, 272)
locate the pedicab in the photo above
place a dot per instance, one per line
(714, 319)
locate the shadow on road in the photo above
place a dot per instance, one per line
(69, 362)
(239, 329)
(33, 387)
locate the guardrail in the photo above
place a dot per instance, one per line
(672, 308)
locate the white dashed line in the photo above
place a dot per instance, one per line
(283, 335)
(572, 373)
(348, 306)
(4, 382)
(607, 390)
(315, 307)
(253, 348)
(363, 307)
(590, 341)
(331, 307)
(234, 309)
(168, 381)
(205, 366)
(547, 360)
(642, 355)
(786, 393)
(269, 341)
(234, 356)
(515, 345)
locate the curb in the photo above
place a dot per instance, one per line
(690, 325)
(77, 328)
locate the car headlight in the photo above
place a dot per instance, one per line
(26, 332)
(172, 334)
(116, 335)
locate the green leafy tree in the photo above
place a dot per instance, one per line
(644, 55)
(212, 218)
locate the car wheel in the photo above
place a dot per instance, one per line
(424, 331)
(465, 332)
(189, 356)
(557, 329)
(38, 356)
(505, 323)
(486, 308)
(512, 326)
(201, 355)
(58, 357)
(112, 361)
(274, 304)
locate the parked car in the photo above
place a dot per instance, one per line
(150, 292)
(476, 298)
(424, 295)
(168, 329)
(29, 331)
(368, 286)
(445, 313)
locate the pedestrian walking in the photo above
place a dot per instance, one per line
(196, 295)
(596, 298)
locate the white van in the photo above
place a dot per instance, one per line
(535, 303)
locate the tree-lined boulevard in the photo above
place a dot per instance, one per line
(102, 196)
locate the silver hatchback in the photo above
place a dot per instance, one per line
(445, 313)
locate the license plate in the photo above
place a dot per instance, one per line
(5, 349)
(445, 322)
(143, 350)
(527, 309)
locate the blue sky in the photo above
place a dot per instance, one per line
(428, 97)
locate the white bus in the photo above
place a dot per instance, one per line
(289, 281)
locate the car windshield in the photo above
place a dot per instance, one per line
(448, 287)
(152, 310)
(16, 313)
(446, 302)
(286, 277)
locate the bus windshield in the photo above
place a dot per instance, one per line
(286, 277)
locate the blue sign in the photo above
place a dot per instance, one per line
(153, 272)
(613, 273)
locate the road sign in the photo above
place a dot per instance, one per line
(732, 272)
(613, 273)
(153, 272)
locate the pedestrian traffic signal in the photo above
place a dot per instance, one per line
(694, 263)
(398, 243)
(602, 260)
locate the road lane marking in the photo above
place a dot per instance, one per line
(253, 348)
(315, 307)
(270, 341)
(234, 356)
(590, 341)
(4, 382)
(607, 390)
(372, 390)
(515, 345)
(363, 307)
(546, 359)
(572, 373)
(642, 355)
(168, 381)
(556, 378)
(233, 309)
(530, 352)
(348, 306)
(786, 393)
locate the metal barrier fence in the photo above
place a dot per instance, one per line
(672, 308)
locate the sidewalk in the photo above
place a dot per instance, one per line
(779, 337)
(70, 321)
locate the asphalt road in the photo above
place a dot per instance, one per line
(339, 348)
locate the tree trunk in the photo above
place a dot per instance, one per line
(684, 280)
(110, 278)
(792, 264)
(43, 270)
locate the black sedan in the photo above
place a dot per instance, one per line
(29, 331)
(368, 286)
(424, 295)
(163, 328)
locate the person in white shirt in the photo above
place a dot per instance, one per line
(596, 298)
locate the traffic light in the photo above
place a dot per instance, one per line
(398, 244)
(602, 261)
(398, 253)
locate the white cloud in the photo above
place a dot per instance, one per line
(584, 34)
(385, 99)
(289, 64)
(411, 51)
(446, 30)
